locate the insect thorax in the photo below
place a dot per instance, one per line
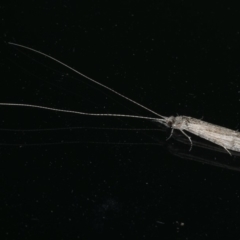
(178, 122)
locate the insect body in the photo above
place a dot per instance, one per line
(227, 138)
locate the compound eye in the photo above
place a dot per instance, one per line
(170, 124)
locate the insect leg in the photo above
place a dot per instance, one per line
(227, 151)
(189, 138)
(170, 134)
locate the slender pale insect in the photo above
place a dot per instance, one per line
(224, 137)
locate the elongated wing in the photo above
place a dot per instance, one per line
(222, 136)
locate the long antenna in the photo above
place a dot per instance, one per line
(80, 113)
(90, 79)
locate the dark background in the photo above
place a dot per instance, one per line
(66, 176)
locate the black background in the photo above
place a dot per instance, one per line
(66, 176)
